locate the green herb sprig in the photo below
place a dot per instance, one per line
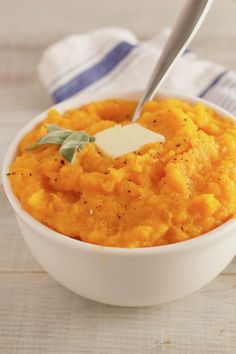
(70, 141)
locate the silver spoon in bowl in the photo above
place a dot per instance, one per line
(182, 33)
(132, 136)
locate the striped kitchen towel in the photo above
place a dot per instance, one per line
(113, 59)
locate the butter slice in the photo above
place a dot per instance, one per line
(120, 140)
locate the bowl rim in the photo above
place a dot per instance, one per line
(64, 240)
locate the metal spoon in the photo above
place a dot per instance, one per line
(132, 136)
(183, 32)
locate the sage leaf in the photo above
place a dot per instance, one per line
(72, 144)
(69, 154)
(54, 137)
(32, 147)
(55, 128)
(70, 141)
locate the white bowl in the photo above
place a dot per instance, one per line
(118, 276)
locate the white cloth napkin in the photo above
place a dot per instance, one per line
(113, 58)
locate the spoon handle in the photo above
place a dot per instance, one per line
(182, 33)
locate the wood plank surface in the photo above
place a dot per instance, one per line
(46, 318)
(37, 315)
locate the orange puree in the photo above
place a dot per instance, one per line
(163, 193)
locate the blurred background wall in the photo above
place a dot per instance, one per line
(41, 22)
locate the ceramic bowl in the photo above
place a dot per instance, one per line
(118, 276)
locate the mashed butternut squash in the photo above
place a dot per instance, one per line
(163, 193)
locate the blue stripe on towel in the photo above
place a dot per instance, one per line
(96, 72)
(212, 84)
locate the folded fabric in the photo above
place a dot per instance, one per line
(114, 59)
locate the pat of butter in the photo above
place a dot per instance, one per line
(120, 140)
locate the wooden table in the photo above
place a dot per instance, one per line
(37, 315)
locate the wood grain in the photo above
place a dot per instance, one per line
(37, 315)
(46, 318)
